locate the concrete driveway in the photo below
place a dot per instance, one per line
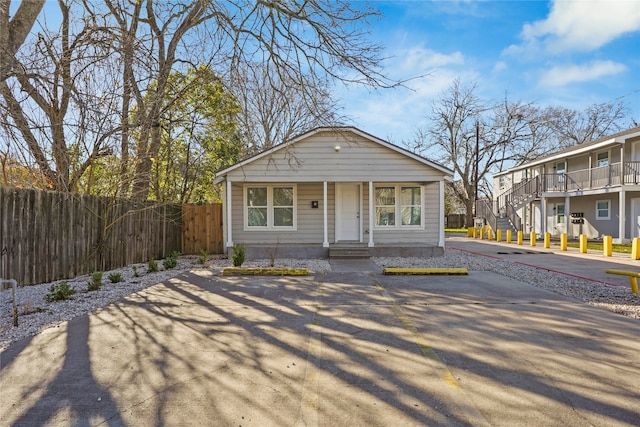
(350, 348)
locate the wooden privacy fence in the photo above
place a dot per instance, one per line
(46, 236)
(202, 229)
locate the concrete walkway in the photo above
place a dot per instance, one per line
(590, 266)
(349, 347)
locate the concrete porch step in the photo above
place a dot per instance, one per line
(351, 250)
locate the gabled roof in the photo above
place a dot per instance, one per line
(585, 147)
(340, 129)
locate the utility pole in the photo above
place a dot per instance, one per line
(475, 200)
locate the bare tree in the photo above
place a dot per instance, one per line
(273, 111)
(573, 127)
(14, 31)
(300, 44)
(477, 138)
(53, 106)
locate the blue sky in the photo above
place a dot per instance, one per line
(561, 53)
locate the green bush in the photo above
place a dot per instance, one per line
(238, 255)
(172, 261)
(202, 259)
(96, 281)
(59, 292)
(115, 277)
(152, 267)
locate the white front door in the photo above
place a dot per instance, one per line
(348, 212)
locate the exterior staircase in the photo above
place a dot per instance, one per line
(504, 223)
(349, 250)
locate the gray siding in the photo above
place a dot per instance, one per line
(428, 235)
(310, 220)
(315, 160)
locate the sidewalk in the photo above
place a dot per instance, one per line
(589, 266)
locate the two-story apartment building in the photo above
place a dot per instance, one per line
(592, 188)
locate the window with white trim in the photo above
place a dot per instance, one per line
(602, 158)
(270, 207)
(603, 210)
(560, 217)
(398, 201)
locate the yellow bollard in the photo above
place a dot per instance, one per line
(563, 242)
(509, 233)
(469, 232)
(634, 284)
(583, 243)
(547, 240)
(498, 235)
(635, 248)
(489, 234)
(532, 238)
(520, 238)
(482, 233)
(607, 245)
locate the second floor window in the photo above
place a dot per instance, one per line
(603, 159)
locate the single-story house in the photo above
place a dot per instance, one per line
(592, 188)
(330, 188)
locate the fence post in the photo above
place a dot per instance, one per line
(13, 285)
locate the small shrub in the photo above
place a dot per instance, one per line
(115, 277)
(172, 261)
(238, 255)
(152, 267)
(59, 292)
(135, 272)
(202, 259)
(96, 281)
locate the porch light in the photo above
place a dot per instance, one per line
(337, 147)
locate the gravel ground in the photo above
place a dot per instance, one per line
(35, 314)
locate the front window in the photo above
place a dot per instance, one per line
(560, 217)
(602, 209)
(410, 205)
(270, 206)
(257, 206)
(385, 206)
(603, 159)
(404, 202)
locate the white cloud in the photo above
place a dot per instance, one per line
(582, 25)
(427, 58)
(500, 66)
(560, 76)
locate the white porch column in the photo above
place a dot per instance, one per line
(622, 217)
(568, 226)
(325, 219)
(441, 215)
(371, 214)
(229, 216)
(543, 215)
